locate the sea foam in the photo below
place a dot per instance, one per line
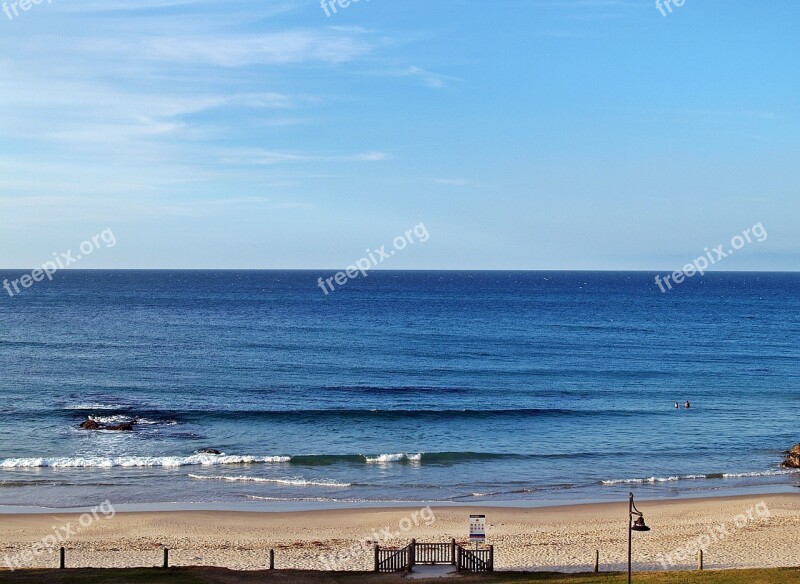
(139, 461)
(695, 477)
(399, 457)
(295, 482)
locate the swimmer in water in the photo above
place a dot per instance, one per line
(677, 405)
(687, 405)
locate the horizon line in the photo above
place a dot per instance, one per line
(473, 270)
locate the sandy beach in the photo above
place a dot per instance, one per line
(736, 532)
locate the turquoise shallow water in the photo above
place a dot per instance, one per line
(475, 387)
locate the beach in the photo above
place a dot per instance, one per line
(736, 532)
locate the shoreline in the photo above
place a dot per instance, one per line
(302, 506)
(557, 538)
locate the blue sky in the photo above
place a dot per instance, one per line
(551, 134)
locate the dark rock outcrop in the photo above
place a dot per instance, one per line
(792, 458)
(208, 451)
(91, 424)
(124, 427)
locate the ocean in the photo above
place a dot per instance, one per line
(522, 388)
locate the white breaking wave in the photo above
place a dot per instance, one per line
(767, 473)
(652, 480)
(293, 482)
(120, 419)
(292, 499)
(139, 461)
(399, 457)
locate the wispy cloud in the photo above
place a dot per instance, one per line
(268, 157)
(434, 80)
(452, 181)
(280, 48)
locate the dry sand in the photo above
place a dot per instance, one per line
(555, 538)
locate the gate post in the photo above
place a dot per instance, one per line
(453, 551)
(412, 555)
(491, 558)
(377, 558)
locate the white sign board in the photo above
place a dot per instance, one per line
(477, 528)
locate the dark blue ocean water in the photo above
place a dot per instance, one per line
(472, 387)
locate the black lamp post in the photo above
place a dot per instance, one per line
(637, 525)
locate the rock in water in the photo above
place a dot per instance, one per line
(124, 427)
(792, 458)
(91, 424)
(208, 451)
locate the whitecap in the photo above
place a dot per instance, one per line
(138, 461)
(399, 457)
(295, 482)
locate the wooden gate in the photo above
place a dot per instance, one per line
(392, 560)
(477, 560)
(404, 559)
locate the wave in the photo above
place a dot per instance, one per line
(315, 415)
(401, 457)
(404, 390)
(292, 499)
(291, 482)
(138, 461)
(310, 460)
(695, 477)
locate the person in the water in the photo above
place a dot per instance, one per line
(687, 405)
(677, 405)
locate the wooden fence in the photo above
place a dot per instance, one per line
(404, 559)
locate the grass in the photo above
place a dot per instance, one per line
(222, 576)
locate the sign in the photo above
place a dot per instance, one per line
(477, 528)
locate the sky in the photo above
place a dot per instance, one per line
(523, 134)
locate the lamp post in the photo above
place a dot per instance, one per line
(637, 525)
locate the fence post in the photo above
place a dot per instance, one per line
(491, 558)
(458, 558)
(453, 551)
(412, 555)
(166, 558)
(377, 558)
(700, 560)
(272, 559)
(596, 561)
(62, 564)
